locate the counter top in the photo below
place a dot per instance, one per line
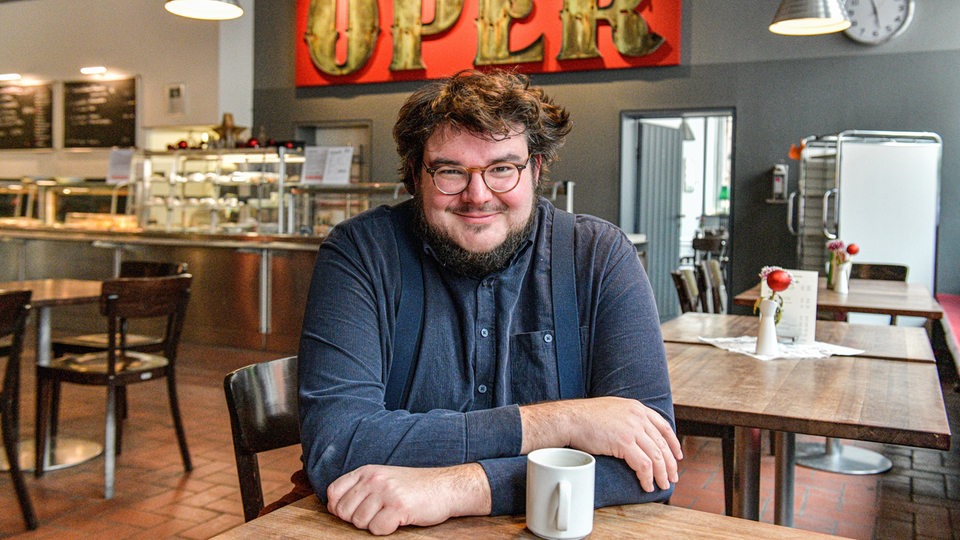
(287, 242)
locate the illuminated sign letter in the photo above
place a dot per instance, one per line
(493, 33)
(321, 36)
(631, 35)
(407, 29)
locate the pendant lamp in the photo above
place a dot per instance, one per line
(210, 10)
(809, 17)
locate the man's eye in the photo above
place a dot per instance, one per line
(500, 169)
(450, 172)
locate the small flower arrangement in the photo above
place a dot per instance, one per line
(840, 253)
(777, 280)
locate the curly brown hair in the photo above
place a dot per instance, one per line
(488, 104)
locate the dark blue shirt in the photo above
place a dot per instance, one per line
(487, 347)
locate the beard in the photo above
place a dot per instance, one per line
(469, 263)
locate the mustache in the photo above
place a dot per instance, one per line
(470, 208)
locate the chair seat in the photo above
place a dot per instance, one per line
(131, 364)
(99, 341)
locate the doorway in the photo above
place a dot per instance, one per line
(675, 185)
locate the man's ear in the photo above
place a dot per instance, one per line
(536, 169)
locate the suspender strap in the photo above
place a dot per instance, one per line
(566, 316)
(406, 332)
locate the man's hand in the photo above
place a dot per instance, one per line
(381, 498)
(611, 426)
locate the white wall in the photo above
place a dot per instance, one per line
(50, 40)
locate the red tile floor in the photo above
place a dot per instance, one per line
(919, 498)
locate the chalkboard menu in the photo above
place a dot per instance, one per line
(99, 114)
(25, 116)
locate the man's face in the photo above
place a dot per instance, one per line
(477, 220)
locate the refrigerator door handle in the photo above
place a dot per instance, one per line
(826, 207)
(790, 226)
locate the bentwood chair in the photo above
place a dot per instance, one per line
(118, 366)
(883, 272)
(263, 404)
(14, 307)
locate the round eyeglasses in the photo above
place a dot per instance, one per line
(499, 177)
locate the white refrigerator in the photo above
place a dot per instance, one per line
(877, 189)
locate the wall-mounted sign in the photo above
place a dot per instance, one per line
(100, 114)
(365, 41)
(25, 116)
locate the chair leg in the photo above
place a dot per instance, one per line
(119, 411)
(54, 408)
(110, 442)
(727, 446)
(12, 447)
(177, 422)
(41, 435)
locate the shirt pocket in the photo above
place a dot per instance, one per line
(533, 367)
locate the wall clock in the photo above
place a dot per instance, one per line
(877, 21)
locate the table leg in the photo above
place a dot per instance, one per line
(746, 473)
(784, 481)
(840, 458)
(65, 452)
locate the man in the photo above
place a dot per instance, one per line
(484, 387)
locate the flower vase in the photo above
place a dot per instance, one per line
(842, 278)
(767, 333)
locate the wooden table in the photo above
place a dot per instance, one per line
(307, 519)
(47, 294)
(858, 397)
(896, 298)
(892, 342)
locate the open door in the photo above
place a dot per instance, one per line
(659, 184)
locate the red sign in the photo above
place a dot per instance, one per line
(366, 41)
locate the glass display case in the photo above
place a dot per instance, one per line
(235, 191)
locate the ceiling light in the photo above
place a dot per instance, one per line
(210, 10)
(809, 17)
(93, 70)
(10, 77)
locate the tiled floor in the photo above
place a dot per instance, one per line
(920, 498)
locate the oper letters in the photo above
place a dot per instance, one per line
(362, 41)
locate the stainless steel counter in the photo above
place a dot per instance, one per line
(249, 290)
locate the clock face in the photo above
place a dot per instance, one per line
(877, 21)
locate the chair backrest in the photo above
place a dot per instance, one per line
(14, 307)
(151, 268)
(146, 298)
(683, 292)
(885, 272)
(713, 273)
(263, 403)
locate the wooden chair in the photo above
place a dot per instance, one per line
(136, 342)
(14, 307)
(683, 292)
(884, 272)
(713, 275)
(118, 366)
(263, 403)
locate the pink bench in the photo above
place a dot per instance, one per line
(951, 324)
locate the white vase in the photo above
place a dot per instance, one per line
(767, 333)
(842, 278)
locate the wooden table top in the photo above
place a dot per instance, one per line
(306, 519)
(868, 296)
(849, 397)
(877, 341)
(57, 292)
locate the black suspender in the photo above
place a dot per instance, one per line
(566, 316)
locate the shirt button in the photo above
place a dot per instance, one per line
(548, 338)
(482, 389)
(484, 332)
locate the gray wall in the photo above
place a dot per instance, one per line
(782, 88)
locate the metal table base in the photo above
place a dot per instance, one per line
(839, 458)
(65, 452)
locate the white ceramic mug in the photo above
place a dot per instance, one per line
(560, 493)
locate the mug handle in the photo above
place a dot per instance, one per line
(563, 505)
